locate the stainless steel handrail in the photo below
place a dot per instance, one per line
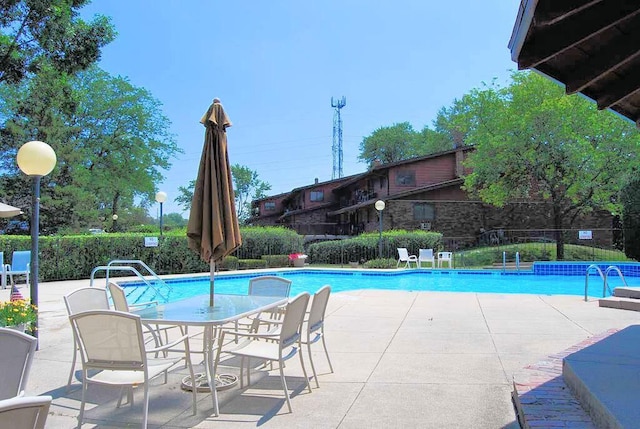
(606, 278)
(586, 280)
(108, 268)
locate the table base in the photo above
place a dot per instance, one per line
(222, 382)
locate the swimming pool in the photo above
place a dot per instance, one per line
(490, 281)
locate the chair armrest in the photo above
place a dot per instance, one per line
(168, 346)
(143, 304)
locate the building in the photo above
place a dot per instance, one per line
(419, 193)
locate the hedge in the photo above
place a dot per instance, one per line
(74, 257)
(365, 247)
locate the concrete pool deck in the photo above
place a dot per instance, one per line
(401, 359)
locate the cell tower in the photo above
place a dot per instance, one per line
(336, 148)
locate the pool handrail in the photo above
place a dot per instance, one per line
(586, 280)
(606, 278)
(108, 268)
(141, 263)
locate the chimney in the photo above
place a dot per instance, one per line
(316, 180)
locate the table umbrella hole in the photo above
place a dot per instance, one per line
(222, 382)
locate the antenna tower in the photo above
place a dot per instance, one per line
(336, 148)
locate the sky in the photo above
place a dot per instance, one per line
(275, 65)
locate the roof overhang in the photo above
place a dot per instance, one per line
(592, 47)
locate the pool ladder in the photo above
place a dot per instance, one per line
(604, 277)
(504, 261)
(156, 287)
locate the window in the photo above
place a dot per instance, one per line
(270, 205)
(406, 178)
(316, 196)
(423, 211)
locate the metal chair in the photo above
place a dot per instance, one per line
(283, 346)
(27, 412)
(20, 265)
(16, 356)
(83, 299)
(113, 353)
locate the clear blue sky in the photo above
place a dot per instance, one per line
(275, 65)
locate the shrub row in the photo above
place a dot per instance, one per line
(365, 247)
(74, 257)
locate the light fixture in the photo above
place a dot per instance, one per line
(35, 159)
(379, 205)
(161, 197)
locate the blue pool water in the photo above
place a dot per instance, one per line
(407, 280)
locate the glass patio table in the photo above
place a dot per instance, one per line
(196, 311)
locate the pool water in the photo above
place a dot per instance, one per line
(440, 280)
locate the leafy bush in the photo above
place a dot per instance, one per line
(276, 261)
(269, 240)
(366, 246)
(381, 263)
(251, 264)
(229, 263)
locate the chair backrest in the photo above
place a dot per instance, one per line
(445, 255)
(16, 355)
(426, 254)
(86, 298)
(118, 297)
(28, 412)
(318, 308)
(403, 253)
(20, 260)
(293, 318)
(110, 339)
(269, 286)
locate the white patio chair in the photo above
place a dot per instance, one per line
(16, 355)
(285, 345)
(27, 412)
(426, 255)
(403, 256)
(445, 257)
(83, 299)
(20, 265)
(113, 354)
(3, 271)
(264, 286)
(120, 303)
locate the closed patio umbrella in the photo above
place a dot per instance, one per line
(9, 211)
(213, 230)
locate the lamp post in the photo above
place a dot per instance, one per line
(115, 219)
(161, 197)
(380, 207)
(35, 159)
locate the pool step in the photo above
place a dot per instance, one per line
(624, 298)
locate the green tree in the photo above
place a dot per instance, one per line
(173, 220)
(247, 187)
(185, 195)
(630, 199)
(111, 139)
(390, 144)
(37, 32)
(535, 142)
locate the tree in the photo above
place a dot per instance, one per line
(111, 140)
(247, 187)
(400, 141)
(38, 32)
(630, 199)
(535, 142)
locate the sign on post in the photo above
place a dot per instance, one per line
(151, 242)
(585, 235)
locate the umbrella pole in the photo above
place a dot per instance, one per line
(212, 269)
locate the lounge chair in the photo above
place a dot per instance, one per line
(426, 255)
(283, 346)
(113, 353)
(445, 257)
(27, 412)
(20, 265)
(16, 356)
(403, 256)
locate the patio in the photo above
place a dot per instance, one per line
(401, 359)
